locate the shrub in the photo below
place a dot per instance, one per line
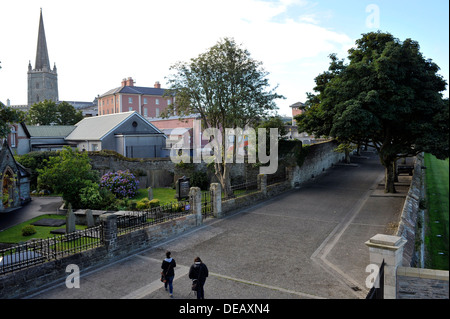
(143, 204)
(28, 230)
(154, 203)
(123, 184)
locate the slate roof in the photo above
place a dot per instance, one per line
(136, 90)
(50, 130)
(97, 127)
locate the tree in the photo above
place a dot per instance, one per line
(49, 113)
(43, 113)
(227, 88)
(69, 173)
(388, 96)
(68, 115)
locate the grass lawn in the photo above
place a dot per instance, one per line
(165, 195)
(14, 234)
(437, 192)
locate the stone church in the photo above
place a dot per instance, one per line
(42, 80)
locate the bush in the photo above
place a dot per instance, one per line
(28, 230)
(145, 204)
(123, 184)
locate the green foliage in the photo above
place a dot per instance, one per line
(8, 116)
(199, 179)
(145, 204)
(28, 230)
(123, 184)
(48, 112)
(67, 174)
(34, 161)
(388, 95)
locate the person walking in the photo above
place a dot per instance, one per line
(198, 272)
(168, 272)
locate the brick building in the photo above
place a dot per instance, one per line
(146, 101)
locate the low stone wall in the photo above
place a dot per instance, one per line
(410, 212)
(26, 281)
(419, 283)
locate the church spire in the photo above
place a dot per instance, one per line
(42, 60)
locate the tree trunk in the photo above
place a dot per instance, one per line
(389, 186)
(347, 156)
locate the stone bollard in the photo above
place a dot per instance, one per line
(109, 222)
(216, 199)
(195, 199)
(390, 249)
(262, 183)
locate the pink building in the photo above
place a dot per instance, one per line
(296, 110)
(147, 101)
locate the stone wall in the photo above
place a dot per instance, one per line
(410, 212)
(419, 283)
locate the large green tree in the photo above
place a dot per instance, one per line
(8, 116)
(49, 113)
(388, 96)
(227, 88)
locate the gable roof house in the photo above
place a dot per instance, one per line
(128, 133)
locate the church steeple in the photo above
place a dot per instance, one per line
(42, 80)
(42, 60)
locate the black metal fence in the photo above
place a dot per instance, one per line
(43, 250)
(377, 291)
(130, 221)
(242, 189)
(207, 205)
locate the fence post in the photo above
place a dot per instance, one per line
(390, 249)
(262, 183)
(195, 198)
(216, 199)
(109, 223)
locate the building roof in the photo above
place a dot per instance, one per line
(97, 127)
(136, 90)
(50, 130)
(297, 105)
(42, 60)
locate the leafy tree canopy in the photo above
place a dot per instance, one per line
(388, 96)
(49, 113)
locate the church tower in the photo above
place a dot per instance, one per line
(42, 80)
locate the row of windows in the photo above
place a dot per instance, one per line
(145, 110)
(130, 101)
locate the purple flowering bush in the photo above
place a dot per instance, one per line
(123, 184)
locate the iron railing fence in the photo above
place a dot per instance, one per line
(377, 291)
(131, 221)
(242, 189)
(39, 251)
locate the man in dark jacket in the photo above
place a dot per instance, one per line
(198, 272)
(167, 266)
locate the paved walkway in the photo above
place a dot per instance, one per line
(306, 243)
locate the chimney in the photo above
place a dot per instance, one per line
(130, 82)
(157, 85)
(8, 102)
(124, 82)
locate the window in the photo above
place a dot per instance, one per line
(145, 100)
(157, 101)
(94, 147)
(130, 100)
(13, 136)
(157, 112)
(145, 111)
(130, 108)
(169, 102)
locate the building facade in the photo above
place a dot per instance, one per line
(42, 79)
(146, 101)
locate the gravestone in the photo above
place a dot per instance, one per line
(70, 220)
(183, 186)
(150, 193)
(89, 218)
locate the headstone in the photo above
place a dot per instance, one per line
(70, 220)
(183, 186)
(150, 193)
(89, 218)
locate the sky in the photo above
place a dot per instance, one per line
(97, 43)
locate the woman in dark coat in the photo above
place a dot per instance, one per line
(168, 266)
(199, 272)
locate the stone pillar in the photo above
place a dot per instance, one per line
(216, 199)
(390, 249)
(262, 183)
(109, 222)
(195, 199)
